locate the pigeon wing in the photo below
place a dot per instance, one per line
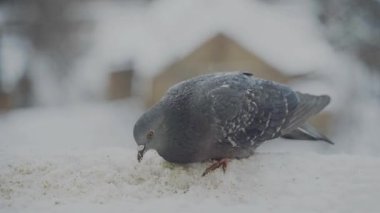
(307, 106)
(245, 116)
(225, 103)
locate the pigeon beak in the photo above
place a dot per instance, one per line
(141, 152)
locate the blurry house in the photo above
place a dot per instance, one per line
(221, 53)
(19, 96)
(5, 102)
(22, 94)
(119, 84)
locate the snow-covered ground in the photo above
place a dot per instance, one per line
(83, 159)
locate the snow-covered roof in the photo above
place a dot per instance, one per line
(286, 35)
(156, 35)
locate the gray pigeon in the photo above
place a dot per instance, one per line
(225, 116)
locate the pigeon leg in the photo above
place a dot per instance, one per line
(219, 163)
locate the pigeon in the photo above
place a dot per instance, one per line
(224, 116)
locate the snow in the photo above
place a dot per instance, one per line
(112, 179)
(157, 34)
(84, 159)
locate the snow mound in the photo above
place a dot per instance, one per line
(84, 159)
(113, 179)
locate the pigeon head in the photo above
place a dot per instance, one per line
(147, 131)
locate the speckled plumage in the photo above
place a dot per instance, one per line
(223, 115)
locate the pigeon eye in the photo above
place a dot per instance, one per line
(150, 134)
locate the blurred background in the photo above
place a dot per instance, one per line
(81, 72)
